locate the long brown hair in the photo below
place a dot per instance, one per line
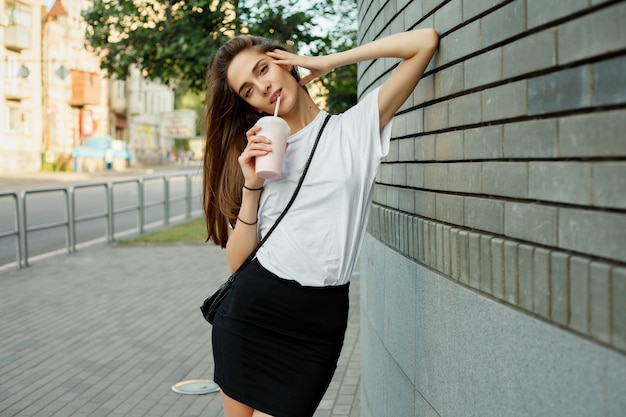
(226, 119)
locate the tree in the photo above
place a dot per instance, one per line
(173, 40)
(282, 20)
(169, 40)
(341, 84)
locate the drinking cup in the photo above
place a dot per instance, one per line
(269, 166)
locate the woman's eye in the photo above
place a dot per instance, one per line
(263, 69)
(247, 92)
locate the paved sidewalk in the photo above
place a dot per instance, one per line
(107, 331)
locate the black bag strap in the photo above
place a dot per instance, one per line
(293, 197)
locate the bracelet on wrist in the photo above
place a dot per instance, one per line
(253, 189)
(245, 222)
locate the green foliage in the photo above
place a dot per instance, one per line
(180, 145)
(281, 20)
(341, 86)
(341, 83)
(169, 40)
(189, 99)
(173, 40)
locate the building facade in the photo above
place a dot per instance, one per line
(136, 108)
(494, 270)
(75, 90)
(53, 94)
(20, 86)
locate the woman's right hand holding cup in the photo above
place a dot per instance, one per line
(257, 146)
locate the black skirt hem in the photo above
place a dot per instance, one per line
(276, 343)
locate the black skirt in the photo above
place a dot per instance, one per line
(276, 343)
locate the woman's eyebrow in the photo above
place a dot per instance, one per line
(254, 68)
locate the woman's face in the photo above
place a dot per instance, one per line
(258, 80)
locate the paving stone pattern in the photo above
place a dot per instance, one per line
(107, 331)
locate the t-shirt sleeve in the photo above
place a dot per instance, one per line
(363, 120)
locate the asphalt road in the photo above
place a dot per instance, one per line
(47, 202)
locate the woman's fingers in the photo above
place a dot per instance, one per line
(257, 145)
(283, 56)
(287, 58)
(317, 65)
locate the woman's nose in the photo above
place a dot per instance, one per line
(266, 88)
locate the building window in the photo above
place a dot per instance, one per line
(13, 118)
(18, 13)
(12, 67)
(119, 87)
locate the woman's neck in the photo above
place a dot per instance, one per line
(302, 114)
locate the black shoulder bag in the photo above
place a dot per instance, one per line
(210, 305)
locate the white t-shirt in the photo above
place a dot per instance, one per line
(318, 241)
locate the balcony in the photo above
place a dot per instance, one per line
(85, 88)
(17, 88)
(118, 105)
(135, 103)
(17, 37)
(117, 96)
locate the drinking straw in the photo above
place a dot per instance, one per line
(277, 105)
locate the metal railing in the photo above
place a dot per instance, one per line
(23, 227)
(17, 221)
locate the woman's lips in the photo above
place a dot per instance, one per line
(275, 96)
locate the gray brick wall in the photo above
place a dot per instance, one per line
(507, 168)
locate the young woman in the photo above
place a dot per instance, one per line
(278, 335)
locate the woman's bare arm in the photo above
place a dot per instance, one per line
(243, 239)
(415, 48)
